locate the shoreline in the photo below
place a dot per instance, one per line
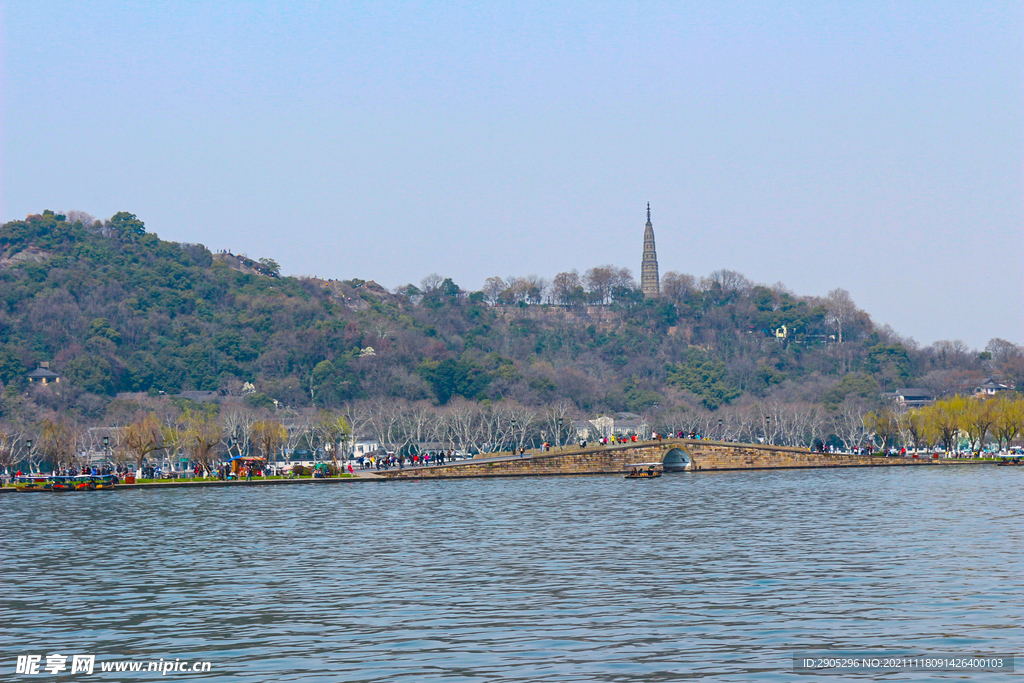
(410, 474)
(218, 483)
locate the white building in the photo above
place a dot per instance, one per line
(619, 424)
(364, 446)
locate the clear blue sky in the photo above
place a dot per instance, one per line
(871, 146)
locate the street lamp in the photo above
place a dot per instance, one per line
(721, 434)
(767, 420)
(558, 439)
(513, 436)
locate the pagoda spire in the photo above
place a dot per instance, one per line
(650, 283)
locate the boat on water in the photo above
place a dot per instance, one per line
(80, 482)
(643, 470)
(63, 483)
(96, 482)
(33, 483)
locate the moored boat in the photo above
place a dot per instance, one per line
(33, 483)
(63, 483)
(92, 482)
(103, 482)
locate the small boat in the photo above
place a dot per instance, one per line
(63, 483)
(643, 470)
(93, 482)
(33, 483)
(103, 482)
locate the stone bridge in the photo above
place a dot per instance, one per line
(674, 454)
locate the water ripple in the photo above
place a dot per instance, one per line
(718, 575)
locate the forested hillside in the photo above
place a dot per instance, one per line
(115, 309)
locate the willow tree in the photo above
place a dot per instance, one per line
(201, 435)
(333, 431)
(1008, 419)
(945, 420)
(978, 417)
(57, 441)
(912, 427)
(883, 424)
(269, 435)
(142, 437)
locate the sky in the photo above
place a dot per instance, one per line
(872, 146)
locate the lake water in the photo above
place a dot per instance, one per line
(720, 576)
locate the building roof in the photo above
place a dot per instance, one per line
(914, 393)
(199, 396)
(42, 373)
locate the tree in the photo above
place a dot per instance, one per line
(945, 419)
(455, 378)
(333, 431)
(1008, 419)
(201, 436)
(704, 376)
(912, 425)
(884, 424)
(269, 435)
(9, 455)
(126, 224)
(494, 287)
(978, 417)
(567, 289)
(172, 439)
(841, 308)
(849, 423)
(272, 267)
(600, 281)
(142, 437)
(57, 441)
(431, 283)
(678, 286)
(320, 376)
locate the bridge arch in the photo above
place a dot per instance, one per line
(677, 460)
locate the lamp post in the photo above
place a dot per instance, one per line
(28, 443)
(721, 433)
(767, 421)
(558, 439)
(513, 423)
(106, 450)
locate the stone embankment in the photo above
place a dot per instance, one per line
(702, 456)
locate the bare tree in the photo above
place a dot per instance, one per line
(558, 419)
(600, 280)
(431, 282)
(841, 309)
(567, 289)
(142, 437)
(237, 426)
(677, 286)
(9, 451)
(849, 423)
(493, 288)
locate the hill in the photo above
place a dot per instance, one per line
(115, 309)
